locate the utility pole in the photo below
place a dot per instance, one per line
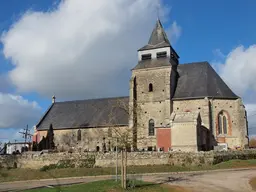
(26, 135)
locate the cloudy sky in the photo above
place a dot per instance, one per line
(78, 49)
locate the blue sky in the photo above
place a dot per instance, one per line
(215, 31)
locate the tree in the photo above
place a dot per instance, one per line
(252, 142)
(50, 138)
(124, 139)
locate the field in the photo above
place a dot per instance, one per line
(112, 186)
(30, 174)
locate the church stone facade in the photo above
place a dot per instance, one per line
(171, 106)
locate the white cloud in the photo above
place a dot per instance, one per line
(17, 112)
(174, 32)
(239, 70)
(80, 49)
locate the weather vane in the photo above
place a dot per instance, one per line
(158, 9)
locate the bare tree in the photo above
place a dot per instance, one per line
(125, 139)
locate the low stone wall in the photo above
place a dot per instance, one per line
(133, 158)
(38, 160)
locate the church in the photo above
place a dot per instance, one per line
(170, 107)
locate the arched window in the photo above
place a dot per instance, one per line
(222, 123)
(79, 135)
(151, 127)
(150, 87)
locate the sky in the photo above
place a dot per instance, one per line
(77, 49)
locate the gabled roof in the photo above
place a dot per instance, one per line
(86, 113)
(158, 38)
(199, 80)
(195, 80)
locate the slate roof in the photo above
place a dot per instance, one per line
(196, 80)
(151, 63)
(199, 80)
(86, 113)
(158, 38)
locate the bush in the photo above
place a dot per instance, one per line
(226, 156)
(88, 163)
(48, 167)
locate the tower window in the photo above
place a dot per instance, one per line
(161, 54)
(146, 57)
(151, 127)
(79, 135)
(150, 87)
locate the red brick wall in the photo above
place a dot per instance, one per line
(221, 139)
(163, 138)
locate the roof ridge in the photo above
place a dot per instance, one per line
(92, 99)
(195, 62)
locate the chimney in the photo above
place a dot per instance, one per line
(53, 99)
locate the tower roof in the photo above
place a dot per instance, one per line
(158, 35)
(158, 38)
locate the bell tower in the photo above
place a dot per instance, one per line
(152, 85)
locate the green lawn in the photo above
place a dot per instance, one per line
(31, 174)
(112, 186)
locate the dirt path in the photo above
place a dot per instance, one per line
(213, 181)
(224, 181)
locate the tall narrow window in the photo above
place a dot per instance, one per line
(151, 127)
(150, 87)
(222, 123)
(225, 125)
(79, 135)
(134, 89)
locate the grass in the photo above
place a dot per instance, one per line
(112, 186)
(253, 183)
(31, 174)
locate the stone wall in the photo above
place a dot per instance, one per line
(237, 129)
(153, 104)
(209, 109)
(134, 158)
(37, 160)
(91, 138)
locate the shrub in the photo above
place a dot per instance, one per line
(48, 167)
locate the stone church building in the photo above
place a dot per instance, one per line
(171, 106)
